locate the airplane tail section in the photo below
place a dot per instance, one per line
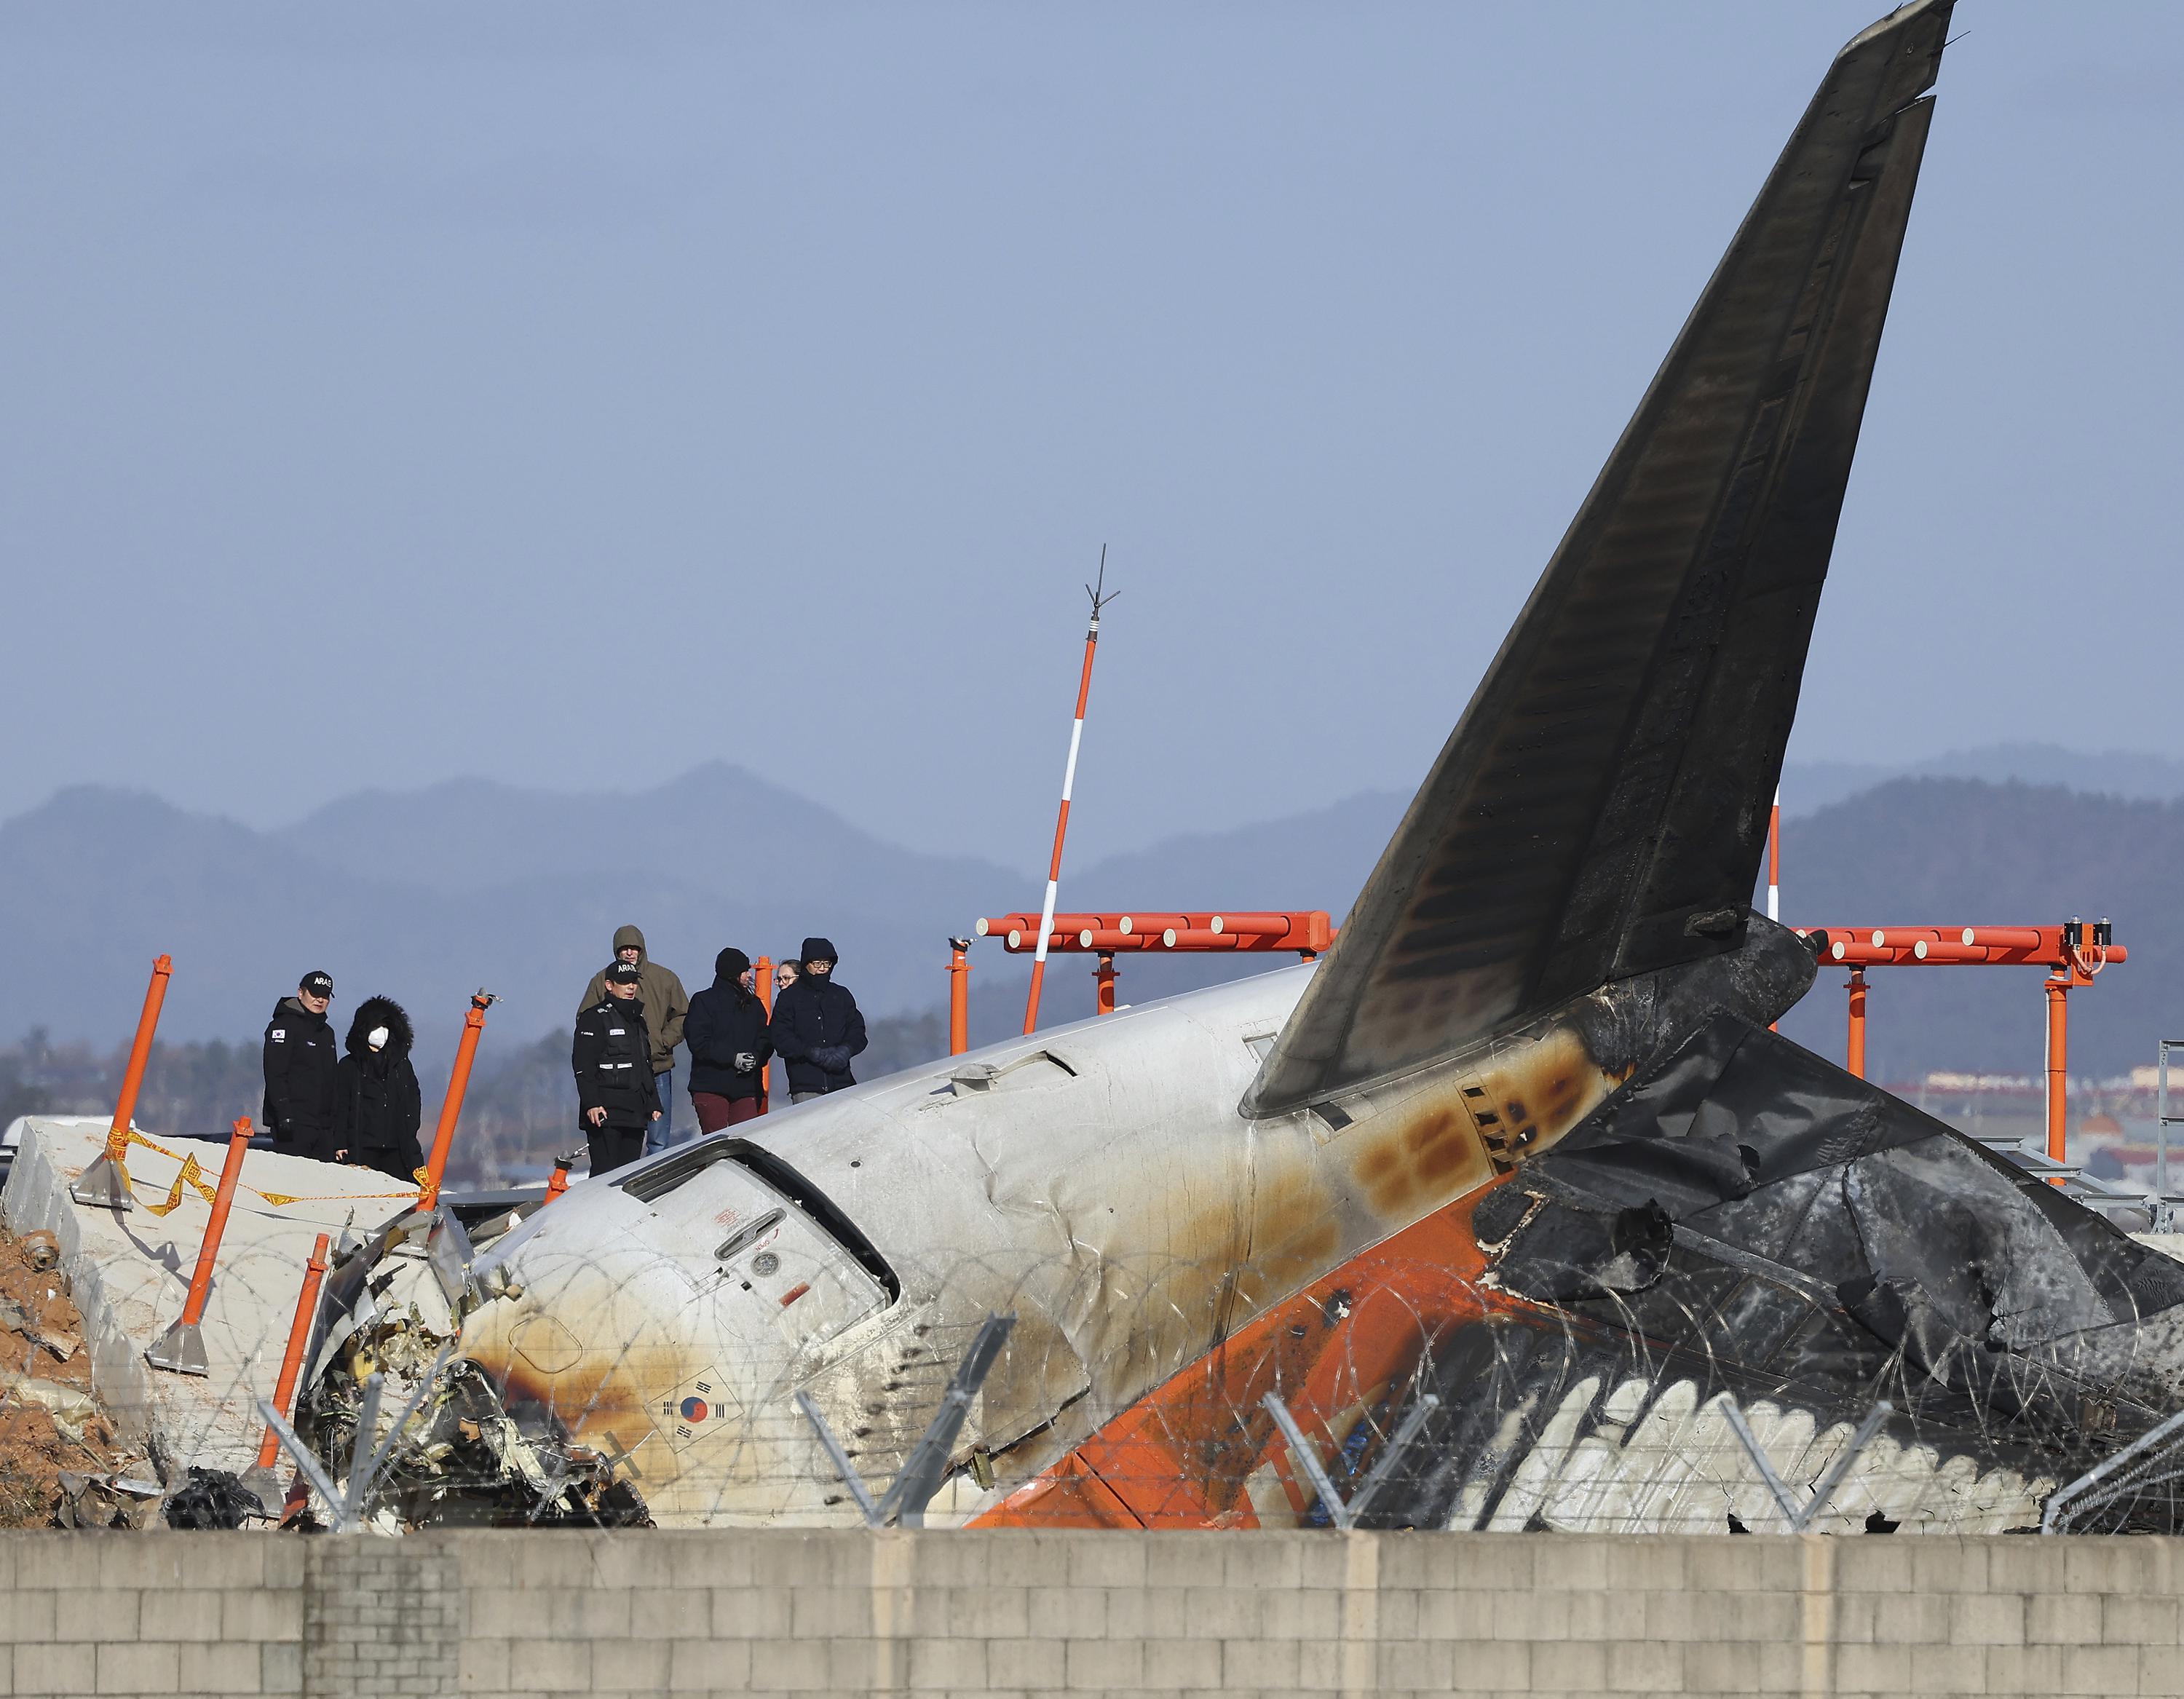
(1600, 810)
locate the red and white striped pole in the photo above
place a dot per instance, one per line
(1774, 871)
(1100, 599)
(1775, 857)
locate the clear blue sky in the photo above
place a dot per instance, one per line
(570, 394)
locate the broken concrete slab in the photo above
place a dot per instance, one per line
(129, 1273)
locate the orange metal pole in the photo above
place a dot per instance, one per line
(299, 1333)
(1855, 1058)
(2059, 1052)
(559, 1182)
(959, 996)
(140, 1052)
(223, 1199)
(451, 1107)
(762, 977)
(1105, 976)
(111, 1187)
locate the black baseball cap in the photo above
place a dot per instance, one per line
(621, 972)
(317, 982)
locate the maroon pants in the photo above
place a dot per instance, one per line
(715, 1112)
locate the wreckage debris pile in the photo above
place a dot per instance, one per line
(56, 1445)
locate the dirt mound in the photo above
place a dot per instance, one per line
(50, 1424)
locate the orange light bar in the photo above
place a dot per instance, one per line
(1927, 946)
(1255, 932)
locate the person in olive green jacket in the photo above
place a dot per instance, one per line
(665, 1004)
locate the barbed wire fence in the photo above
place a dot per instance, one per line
(641, 1390)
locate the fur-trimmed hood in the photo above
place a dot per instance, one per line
(380, 1011)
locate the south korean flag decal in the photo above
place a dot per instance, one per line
(701, 1406)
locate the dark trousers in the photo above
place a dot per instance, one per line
(715, 1112)
(614, 1147)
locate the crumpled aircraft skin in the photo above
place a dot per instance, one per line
(1521, 1140)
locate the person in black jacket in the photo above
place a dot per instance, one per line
(726, 1031)
(815, 1027)
(299, 1109)
(616, 1100)
(376, 1104)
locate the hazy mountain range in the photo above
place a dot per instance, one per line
(428, 894)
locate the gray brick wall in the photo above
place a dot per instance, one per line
(488, 1613)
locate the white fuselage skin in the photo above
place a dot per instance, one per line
(1096, 1181)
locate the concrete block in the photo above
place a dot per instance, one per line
(813, 1557)
(1854, 1614)
(696, 1558)
(945, 1665)
(1398, 1611)
(1765, 1562)
(513, 1612)
(550, 1666)
(1689, 1616)
(1872, 1668)
(280, 1667)
(1989, 1620)
(1324, 1558)
(2023, 1565)
(1873, 1565)
(1418, 1665)
(1491, 1667)
(2113, 1564)
(1911, 1619)
(2099, 1669)
(826, 1612)
(1599, 1616)
(1185, 1559)
(666, 1613)
(973, 1612)
(484, 1666)
(1030, 1559)
(1100, 1560)
(139, 1669)
(715, 1666)
(2160, 1670)
(751, 1613)
(1947, 1668)
(1032, 1666)
(263, 1614)
(57, 1668)
(1251, 1663)
(1152, 1612)
(1456, 1615)
(2062, 1619)
(636, 1665)
(1173, 1665)
(858, 1666)
(94, 1613)
(786, 1666)
(1723, 1667)
(26, 1616)
(1102, 1664)
(1645, 1667)
(1313, 1613)
(965, 1559)
(220, 1668)
(1528, 1616)
(1948, 1563)
(2138, 1620)
(1229, 1612)
(1569, 1667)
(1066, 1613)
(2026, 1669)
(1638, 1563)
(1273, 1562)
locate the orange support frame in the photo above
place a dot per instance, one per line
(959, 996)
(762, 978)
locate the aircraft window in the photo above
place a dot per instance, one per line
(649, 1184)
(1259, 1044)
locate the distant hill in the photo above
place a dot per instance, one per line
(2130, 773)
(1932, 851)
(428, 894)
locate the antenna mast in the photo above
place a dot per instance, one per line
(1101, 596)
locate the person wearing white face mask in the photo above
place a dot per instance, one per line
(376, 1106)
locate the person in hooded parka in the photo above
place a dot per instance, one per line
(376, 1107)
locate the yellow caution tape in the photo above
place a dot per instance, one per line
(192, 1175)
